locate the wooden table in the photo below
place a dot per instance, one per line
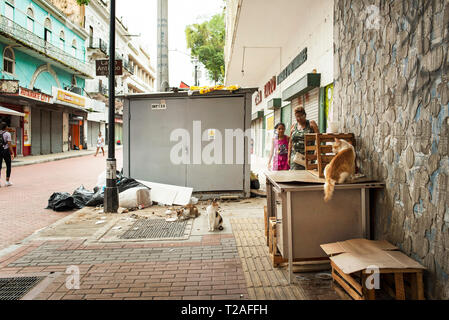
(305, 221)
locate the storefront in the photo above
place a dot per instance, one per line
(73, 119)
(14, 119)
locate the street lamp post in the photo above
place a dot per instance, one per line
(111, 191)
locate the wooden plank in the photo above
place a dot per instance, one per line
(369, 294)
(326, 148)
(354, 294)
(346, 277)
(312, 166)
(311, 156)
(399, 286)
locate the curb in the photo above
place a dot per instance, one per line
(57, 158)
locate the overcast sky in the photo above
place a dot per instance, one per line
(141, 17)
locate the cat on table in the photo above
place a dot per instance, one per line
(341, 168)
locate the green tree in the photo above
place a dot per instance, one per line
(206, 41)
(81, 2)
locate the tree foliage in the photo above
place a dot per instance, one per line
(206, 41)
(83, 2)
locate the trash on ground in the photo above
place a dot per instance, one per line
(168, 194)
(138, 197)
(81, 197)
(100, 222)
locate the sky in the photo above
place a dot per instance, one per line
(141, 18)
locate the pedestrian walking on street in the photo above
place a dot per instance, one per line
(6, 152)
(279, 148)
(100, 143)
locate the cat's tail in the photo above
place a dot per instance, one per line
(329, 189)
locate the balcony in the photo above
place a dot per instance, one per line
(99, 44)
(36, 46)
(128, 66)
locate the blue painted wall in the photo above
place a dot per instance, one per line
(26, 65)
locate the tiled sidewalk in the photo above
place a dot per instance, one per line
(208, 270)
(217, 267)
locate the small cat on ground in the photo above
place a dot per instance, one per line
(341, 168)
(214, 219)
(187, 212)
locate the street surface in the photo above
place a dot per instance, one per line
(22, 206)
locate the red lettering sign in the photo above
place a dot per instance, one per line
(258, 97)
(270, 87)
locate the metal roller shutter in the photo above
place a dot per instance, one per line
(312, 105)
(35, 131)
(45, 132)
(56, 132)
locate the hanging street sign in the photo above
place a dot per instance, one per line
(102, 67)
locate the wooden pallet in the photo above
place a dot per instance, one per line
(323, 154)
(355, 284)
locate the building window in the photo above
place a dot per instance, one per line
(74, 48)
(8, 61)
(30, 20)
(47, 30)
(9, 11)
(62, 40)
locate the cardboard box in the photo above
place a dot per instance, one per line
(359, 254)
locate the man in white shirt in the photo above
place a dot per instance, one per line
(6, 152)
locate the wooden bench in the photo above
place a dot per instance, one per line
(355, 284)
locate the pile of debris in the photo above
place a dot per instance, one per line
(132, 194)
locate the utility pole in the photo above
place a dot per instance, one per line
(111, 191)
(162, 45)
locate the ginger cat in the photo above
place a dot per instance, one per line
(340, 168)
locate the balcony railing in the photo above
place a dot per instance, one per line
(103, 89)
(129, 66)
(100, 44)
(28, 39)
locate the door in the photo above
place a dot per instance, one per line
(153, 155)
(75, 135)
(215, 116)
(45, 132)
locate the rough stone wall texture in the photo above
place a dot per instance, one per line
(391, 74)
(71, 9)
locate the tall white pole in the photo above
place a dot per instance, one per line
(162, 45)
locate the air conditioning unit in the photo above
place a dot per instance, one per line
(76, 90)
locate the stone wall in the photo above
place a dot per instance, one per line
(391, 69)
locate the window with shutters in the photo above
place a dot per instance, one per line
(8, 61)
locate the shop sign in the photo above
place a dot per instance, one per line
(9, 86)
(258, 97)
(39, 96)
(295, 64)
(71, 98)
(270, 87)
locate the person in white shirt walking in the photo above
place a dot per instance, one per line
(6, 152)
(100, 143)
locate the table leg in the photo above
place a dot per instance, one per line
(399, 286)
(290, 238)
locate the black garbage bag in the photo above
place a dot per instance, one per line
(61, 201)
(81, 197)
(97, 198)
(127, 183)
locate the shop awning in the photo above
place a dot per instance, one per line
(304, 85)
(10, 112)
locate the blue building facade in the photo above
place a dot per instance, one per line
(43, 74)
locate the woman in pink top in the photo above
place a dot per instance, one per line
(279, 148)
